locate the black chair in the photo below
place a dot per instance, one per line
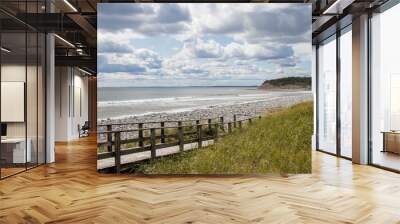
(84, 130)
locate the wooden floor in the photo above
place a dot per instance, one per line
(71, 191)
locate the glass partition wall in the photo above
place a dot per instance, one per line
(22, 98)
(327, 95)
(345, 61)
(385, 89)
(334, 110)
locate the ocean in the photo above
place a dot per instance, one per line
(118, 102)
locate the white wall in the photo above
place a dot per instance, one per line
(70, 83)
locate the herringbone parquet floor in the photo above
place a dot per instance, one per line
(71, 191)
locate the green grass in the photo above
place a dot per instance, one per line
(278, 143)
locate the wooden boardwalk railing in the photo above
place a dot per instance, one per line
(135, 140)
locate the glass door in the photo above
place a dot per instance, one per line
(385, 89)
(327, 95)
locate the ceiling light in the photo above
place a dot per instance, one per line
(337, 7)
(64, 40)
(86, 72)
(70, 5)
(5, 50)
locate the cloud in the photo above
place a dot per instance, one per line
(172, 13)
(115, 68)
(143, 19)
(207, 49)
(109, 46)
(286, 24)
(258, 52)
(212, 43)
(133, 61)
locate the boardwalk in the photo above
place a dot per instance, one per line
(140, 156)
(185, 135)
(71, 191)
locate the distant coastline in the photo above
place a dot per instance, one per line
(289, 83)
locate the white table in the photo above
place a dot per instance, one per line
(19, 153)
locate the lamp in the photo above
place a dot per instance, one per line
(5, 50)
(64, 40)
(70, 5)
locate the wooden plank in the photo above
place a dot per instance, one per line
(216, 132)
(117, 151)
(162, 125)
(221, 119)
(146, 155)
(180, 136)
(153, 143)
(109, 138)
(199, 135)
(140, 125)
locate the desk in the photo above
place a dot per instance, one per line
(391, 141)
(13, 150)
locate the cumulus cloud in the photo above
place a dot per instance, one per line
(109, 46)
(285, 24)
(134, 61)
(143, 19)
(233, 43)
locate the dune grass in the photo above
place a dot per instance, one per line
(278, 143)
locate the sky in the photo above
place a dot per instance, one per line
(207, 44)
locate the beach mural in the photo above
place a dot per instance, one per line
(204, 88)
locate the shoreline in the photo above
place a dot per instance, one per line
(243, 110)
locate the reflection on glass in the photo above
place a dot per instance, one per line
(22, 91)
(386, 89)
(346, 93)
(327, 96)
(14, 153)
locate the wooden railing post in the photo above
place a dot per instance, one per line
(230, 127)
(250, 121)
(221, 120)
(180, 136)
(216, 132)
(209, 125)
(140, 135)
(234, 120)
(153, 143)
(109, 138)
(117, 136)
(240, 124)
(162, 132)
(199, 136)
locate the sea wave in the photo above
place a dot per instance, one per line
(182, 99)
(193, 108)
